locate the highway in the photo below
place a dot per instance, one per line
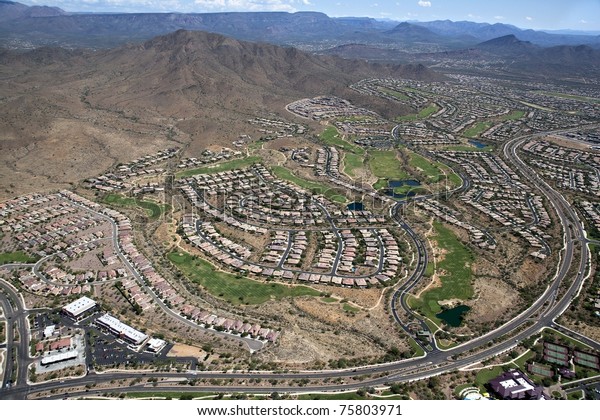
(16, 320)
(571, 272)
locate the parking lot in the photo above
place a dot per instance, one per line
(107, 350)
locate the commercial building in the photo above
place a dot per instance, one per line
(80, 308)
(122, 330)
(515, 385)
(155, 345)
(59, 357)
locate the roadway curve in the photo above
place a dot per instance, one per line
(541, 314)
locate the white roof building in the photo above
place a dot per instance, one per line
(156, 344)
(78, 307)
(59, 357)
(49, 330)
(123, 330)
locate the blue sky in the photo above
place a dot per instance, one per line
(534, 14)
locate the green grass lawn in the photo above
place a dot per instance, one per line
(536, 106)
(567, 96)
(153, 210)
(430, 269)
(429, 169)
(487, 374)
(523, 359)
(331, 137)
(456, 266)
(416, 349)
(425, 113)
(225, 166)
(386, 165)
(256, 145)
(16, 257)
(398, 95)
(350, 308)
(352, 162)
(381, 183)
(550, 333)
(455, 180)
(515, 115)
(329, 299)
(466, 148)
(236, 290)
(477, 129)
(313, 186)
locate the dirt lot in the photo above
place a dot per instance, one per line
(184, 350)
(315, 331)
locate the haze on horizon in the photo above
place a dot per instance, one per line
(580, 15)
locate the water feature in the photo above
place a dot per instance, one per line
(356, 206)
(395, 183)
(398, 183)
(478, 144)
(454, 316)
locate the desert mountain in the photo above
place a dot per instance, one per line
(66, 115)
(22, 26)
(11, 11)
(508, 45)
(485, 32)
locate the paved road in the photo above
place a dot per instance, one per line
(253, 345)
(541, 314)
(16, 319)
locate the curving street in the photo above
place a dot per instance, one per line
(571, 272)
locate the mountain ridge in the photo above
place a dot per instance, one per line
(84, 111)
(45, 26)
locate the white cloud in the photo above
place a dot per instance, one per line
(529, 18)
(499, 17)
(424, 3)
(583, 21)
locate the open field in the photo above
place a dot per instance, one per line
(515, 115)
(352, 162)
(421, 115)
(236, 290)
(536, 106)
(567, 96)
(386, 165)
(477, 129)
(16, 257)
(225, 166)
(331, 137)
(429, 169)
(398, 95)
(313, 186)
(455, 273)
(153, 210)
